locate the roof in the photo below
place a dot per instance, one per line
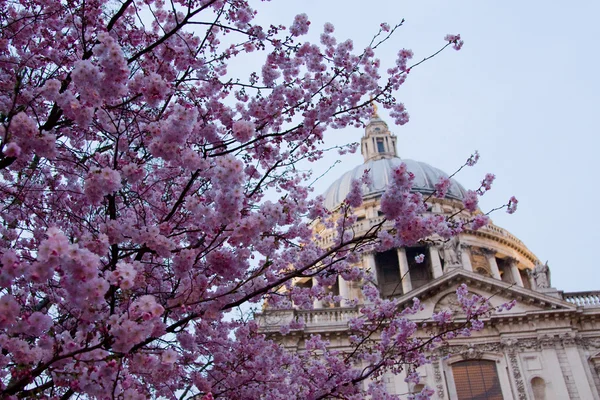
(426, 177)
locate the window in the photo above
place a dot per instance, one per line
(418, 388)
(525, 278)
(380, 146)
(505, 270)
(334, 290)
(420, 273)
(539, 388)
(388, 273)
(476, 380)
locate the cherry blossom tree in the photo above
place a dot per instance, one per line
(147, 194)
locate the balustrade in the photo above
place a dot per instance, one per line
(583, 299)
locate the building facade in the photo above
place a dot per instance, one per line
(546, 347)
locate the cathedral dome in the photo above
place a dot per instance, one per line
(426, 177)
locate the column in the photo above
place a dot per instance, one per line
(465, 255)
(436, 264)
(514, 271)
(577, 368)
(491, 258)
(344, 291)
(531, 280)
(370, 266)
(404, 271)
(318, 303)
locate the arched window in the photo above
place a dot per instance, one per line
(538, 387)
(476, 380)
(418, 388)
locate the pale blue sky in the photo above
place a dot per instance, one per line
(524, 91)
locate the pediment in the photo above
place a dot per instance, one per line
(440, 294)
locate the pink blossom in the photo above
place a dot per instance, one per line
(243, 130)
(441, 188)
(300, 26)
(473, 159)
(101, 182)
(512, 205)
(479, 221)
(487, 181)
(420, 258)
(12, 150)
(471, 200)
(354, 196)
(9, 310)
(169, 356)
(455, 40)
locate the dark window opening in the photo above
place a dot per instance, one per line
(307, 284)
(334, 290)
(420, 273)
(476, 380)
(505, 270)
(525, 279)
(380, 146)
(388, 273)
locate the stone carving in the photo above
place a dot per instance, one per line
(518, 377)
(471, 351)
(589, 343)
(541, 275)
(449, 302)
(528, 344)
(548, 342)
(439, 383)
(451, 253)
(479, 261)
(569, 339)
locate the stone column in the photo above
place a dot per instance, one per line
(531, 280)
(577, 368)
(465, 255)
(491, 257)
(370, 266)
(344, 291)
(436, 264)
(514, 271)
(317, 303)
(404, 272)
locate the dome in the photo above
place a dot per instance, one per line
(426, 177)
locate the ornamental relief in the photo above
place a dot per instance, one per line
(437, 374)
(510, 346)
(518, 377)
(479, 261)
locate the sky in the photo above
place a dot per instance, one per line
(524, 91)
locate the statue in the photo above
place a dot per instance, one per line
(451, 252)
(541, 275)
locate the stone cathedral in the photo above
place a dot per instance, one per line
(547, 347)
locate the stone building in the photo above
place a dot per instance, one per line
(546, 347)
